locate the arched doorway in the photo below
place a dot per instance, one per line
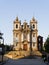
(25, 47)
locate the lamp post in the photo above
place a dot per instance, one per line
(1, 45)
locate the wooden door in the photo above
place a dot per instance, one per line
(25, 47)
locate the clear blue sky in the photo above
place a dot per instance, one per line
(25, 10)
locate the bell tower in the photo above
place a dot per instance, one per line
(33, 24)
(16, 34)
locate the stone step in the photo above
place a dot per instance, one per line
(14, 54)
(37, 53)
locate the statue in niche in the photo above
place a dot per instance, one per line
(24, 35)
(25, 25)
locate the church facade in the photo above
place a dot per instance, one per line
(25, 34)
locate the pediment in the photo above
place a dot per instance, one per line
(25, 41)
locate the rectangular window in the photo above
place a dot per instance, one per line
(16, 34)
(33, 34)
(16, 44)
(16, 39)
(33, 44)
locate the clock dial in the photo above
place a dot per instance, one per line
(34, 39)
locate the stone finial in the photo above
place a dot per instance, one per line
(17, 18)
(33, 19)
(25, 22)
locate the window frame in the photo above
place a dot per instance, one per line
(33, 25)
(16, 25)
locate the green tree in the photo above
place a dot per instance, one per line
(46, 45)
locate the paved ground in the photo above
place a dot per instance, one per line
(34, 61)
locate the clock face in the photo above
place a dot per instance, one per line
(34, 39)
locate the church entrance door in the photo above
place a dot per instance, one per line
(25, 47)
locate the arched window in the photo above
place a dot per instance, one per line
(16, 25)
(33, 26)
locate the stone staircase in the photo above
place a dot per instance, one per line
(14, 55)
(19, 54)
(37, 53)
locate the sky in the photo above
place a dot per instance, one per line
(25, 10)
